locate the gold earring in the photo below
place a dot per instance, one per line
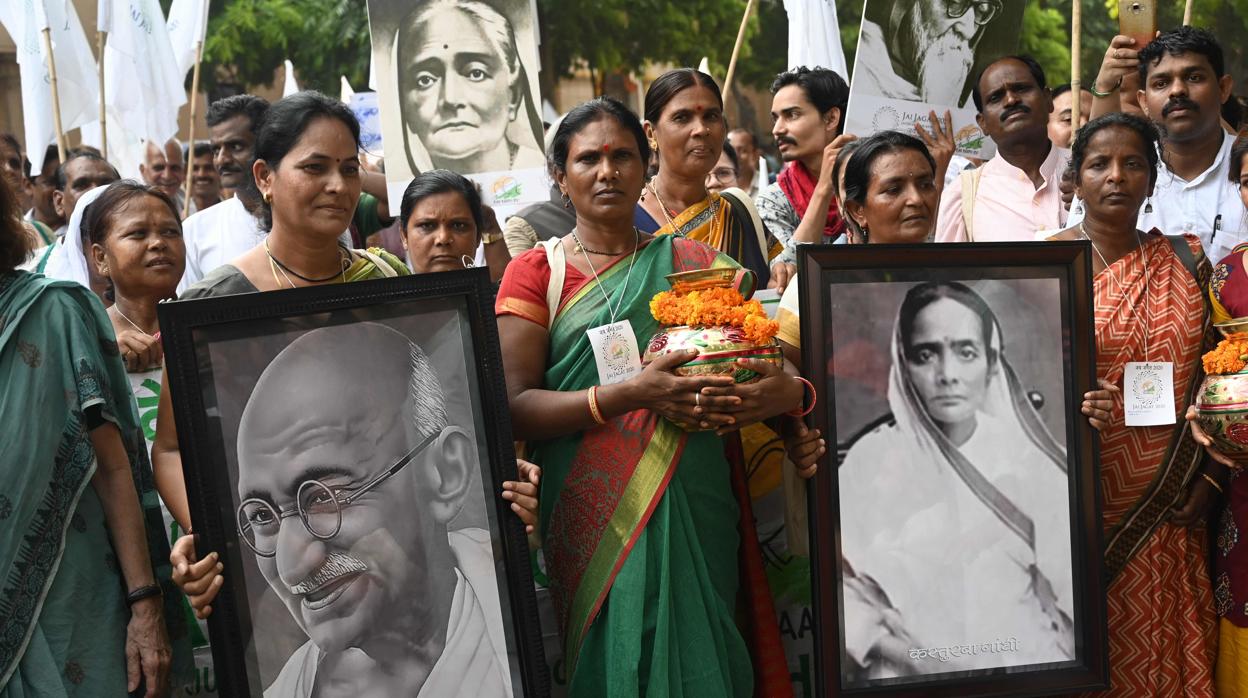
(268, 198)
(654, 145)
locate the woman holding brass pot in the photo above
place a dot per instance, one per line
(641, 529)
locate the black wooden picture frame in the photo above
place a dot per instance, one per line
(851, 300)
(193, 334)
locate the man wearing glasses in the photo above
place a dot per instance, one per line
(922, 50)
(348, 486)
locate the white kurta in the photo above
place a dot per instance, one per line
(215, 236)
(474, 660)
(960, 578)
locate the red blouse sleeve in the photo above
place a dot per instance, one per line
(522, 291)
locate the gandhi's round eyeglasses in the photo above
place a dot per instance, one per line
(985, 10)
(318, 505)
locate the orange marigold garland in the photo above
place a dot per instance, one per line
(1230, 356)
(697, 304)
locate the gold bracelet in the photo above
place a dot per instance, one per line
(1213, 482)
(593, 405)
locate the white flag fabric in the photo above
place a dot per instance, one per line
(77, 82)
(187, 25)
(344, 90)
(291, 86)
(815, 36)
(142, 85)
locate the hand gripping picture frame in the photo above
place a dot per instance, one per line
(955, 527)
(343, 449)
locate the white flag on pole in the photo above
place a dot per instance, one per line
(815, 36)
(142, 85)
(291, 86)
(187, 25)
(75, 70)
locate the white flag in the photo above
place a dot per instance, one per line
(815, 36)
(77, 84)
(142, 84)
(187, 25)
(291, 86)
(345, 91)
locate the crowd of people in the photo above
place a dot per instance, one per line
(1156, 181)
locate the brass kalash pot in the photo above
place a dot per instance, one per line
(718, 346)
(1222, 402)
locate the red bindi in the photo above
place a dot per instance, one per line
(606, 147)
(698, 107)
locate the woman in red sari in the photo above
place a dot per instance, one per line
(640, 518)
(1157, 483)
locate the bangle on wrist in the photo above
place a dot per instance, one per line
(594, 411)
(814, 398)
(1213, 481)
(1097, 93)
(144, 592)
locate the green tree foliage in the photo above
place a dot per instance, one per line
(1046, 37)
(248, 39)
(624, 35)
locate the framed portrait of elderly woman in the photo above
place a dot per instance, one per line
(458, 90)
(344, 448)
(955, 526)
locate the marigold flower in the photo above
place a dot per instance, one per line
(1230, 356)
(701, 303)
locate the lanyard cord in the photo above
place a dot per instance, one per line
(1121, 288)
(624, 291)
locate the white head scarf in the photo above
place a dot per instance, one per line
(1005, 400)
(68, 259)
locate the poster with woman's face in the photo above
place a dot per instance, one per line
(458, 89)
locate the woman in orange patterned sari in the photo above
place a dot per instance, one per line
(1157, 483)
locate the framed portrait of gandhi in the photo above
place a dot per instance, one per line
(955, 527)
(343, 449)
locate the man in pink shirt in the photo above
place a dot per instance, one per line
(1016, 194)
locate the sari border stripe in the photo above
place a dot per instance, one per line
(637, 504)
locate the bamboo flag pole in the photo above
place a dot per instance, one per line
(1076, 85)
(190, 132)
(56, 96)
(736, 50)
(1187, 14)
(100, 41)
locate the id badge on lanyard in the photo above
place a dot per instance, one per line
(615, 352)
(1148, 393)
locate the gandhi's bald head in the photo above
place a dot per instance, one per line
(314, 432)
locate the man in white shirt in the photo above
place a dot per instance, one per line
(220, 233)
(1183, 84)
(164, 167)
(348, 512)
(1015, 194)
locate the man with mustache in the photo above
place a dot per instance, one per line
(205, 183)
(218, 234)
(1183, 84)
(807, 114)
(348, 513)
(1017, 193)
(922, 51)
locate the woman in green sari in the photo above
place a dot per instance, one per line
(639, 518)
(81, 545)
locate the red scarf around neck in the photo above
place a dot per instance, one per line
(798, 185)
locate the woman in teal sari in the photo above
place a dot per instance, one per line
(83, 558)
(639, 517)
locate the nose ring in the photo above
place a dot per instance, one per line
(617, 174)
